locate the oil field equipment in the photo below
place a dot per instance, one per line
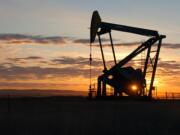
(123, 79)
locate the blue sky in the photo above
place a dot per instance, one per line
(72, 17)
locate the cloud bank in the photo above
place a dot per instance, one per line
(18, 39)
(68, 67)
(31, 39)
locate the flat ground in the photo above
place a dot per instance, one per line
(79, 116)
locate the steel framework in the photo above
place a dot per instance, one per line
(119, 77)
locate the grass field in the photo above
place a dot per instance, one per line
(79, 116)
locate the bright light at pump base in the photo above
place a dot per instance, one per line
(134, 87)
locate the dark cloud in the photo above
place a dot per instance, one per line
(171, 46)
(34, 58)
(78, 66)
(77, 61)
(83, 41)
(75, 67)
(87, 41)
(72, 67)
(37, 39)
(169, 65)
(43, 62)
(70, 60)
(84, 62)
(26, 73)
(64, 60)
(31, 39)
(169, 68)
(27, 58)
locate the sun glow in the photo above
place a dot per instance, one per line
(134, 87)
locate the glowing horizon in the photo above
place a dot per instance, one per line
(46, 46)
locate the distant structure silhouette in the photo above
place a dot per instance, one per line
(126, 80)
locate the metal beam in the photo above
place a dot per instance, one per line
(140, 31)
(137, 51)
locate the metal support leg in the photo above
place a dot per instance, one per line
(104, 89)
(154, 68)
(99, 87)
(102, 53)
(112, 45)
(145, 69)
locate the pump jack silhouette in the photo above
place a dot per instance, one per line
(126, 80)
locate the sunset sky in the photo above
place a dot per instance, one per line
(44, 44)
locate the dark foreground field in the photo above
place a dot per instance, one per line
(78, 116)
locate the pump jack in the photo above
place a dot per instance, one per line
(126, 80)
